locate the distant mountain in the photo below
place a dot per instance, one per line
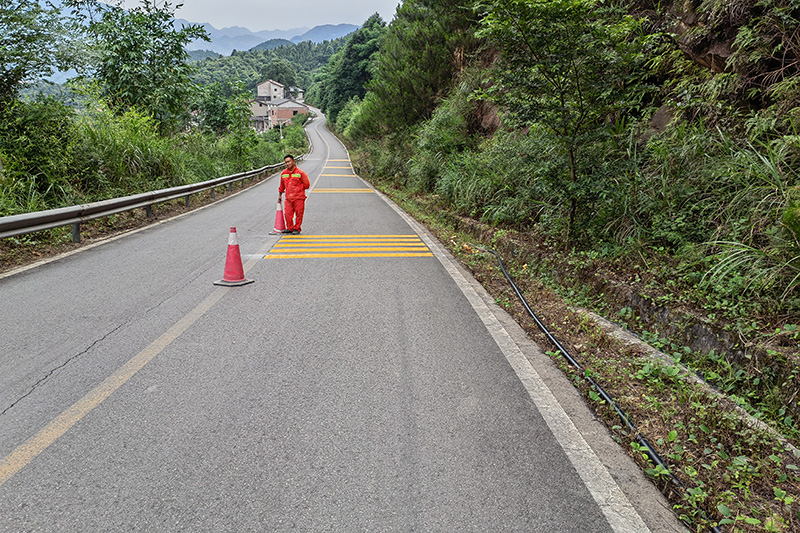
(226, 40)
(272, 43)
(326, 32)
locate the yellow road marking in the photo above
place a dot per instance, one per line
(338, 175)
(337, 167)
(353, 190)
(291, 242)
(304, 246)
(26, 452)
(301, 256)
(359, 244)
(303, 237)
(351, 249)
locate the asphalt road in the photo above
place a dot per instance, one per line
(362, 383)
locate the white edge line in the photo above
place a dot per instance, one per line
(613, 503)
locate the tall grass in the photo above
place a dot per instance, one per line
(767, 255)
(36, 153)
(51, 156)
(724, 209)
(124, 154)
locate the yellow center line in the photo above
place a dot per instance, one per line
(26, 452)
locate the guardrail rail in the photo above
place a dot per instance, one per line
(14, 225)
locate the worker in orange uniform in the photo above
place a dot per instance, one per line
(294, 183)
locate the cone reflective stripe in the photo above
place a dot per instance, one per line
(234, 272)
(280, 225)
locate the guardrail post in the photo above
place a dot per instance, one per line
(212, 192)
(76, 232)
(230, 187)
(148, 210)
(187, 199)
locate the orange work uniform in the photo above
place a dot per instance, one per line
(294, 183)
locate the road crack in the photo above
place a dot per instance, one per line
(63, 365)
(88, 349)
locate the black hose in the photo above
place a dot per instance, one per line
(643, 443)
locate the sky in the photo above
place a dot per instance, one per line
(257, 15)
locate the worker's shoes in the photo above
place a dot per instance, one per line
(286, 231)
(295, 232)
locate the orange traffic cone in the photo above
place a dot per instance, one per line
(234, 272)
(280, 225)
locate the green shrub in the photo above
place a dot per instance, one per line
(36, 155)
(125, 154)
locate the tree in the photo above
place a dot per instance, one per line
(142, 60)
(282, 71)
(223, 108)
(351, 68)
(425, 47)
(33, 41)
(563, 66)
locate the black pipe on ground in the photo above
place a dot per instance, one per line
(651, 452)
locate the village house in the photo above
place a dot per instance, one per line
(284, 111)
(270, 90)
(259, 115)
(297, 94)
(271, 108)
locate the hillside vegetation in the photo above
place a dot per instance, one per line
(639, 157)
(289, 64)
(135, 120)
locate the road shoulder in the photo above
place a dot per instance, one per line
(650, 505)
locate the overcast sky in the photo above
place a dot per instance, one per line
(257, 15)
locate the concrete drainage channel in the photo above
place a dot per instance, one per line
(630, 338)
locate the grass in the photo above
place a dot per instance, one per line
(68, 158)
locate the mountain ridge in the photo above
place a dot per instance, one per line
(225, 40)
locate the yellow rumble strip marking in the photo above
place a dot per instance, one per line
(339, 167)
(352, 189)
(311, 256)
(310, 246)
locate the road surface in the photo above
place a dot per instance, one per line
(363, 382)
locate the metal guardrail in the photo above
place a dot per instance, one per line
(22, 224)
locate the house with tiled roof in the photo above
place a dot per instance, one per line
(265, 115)
(270, 90)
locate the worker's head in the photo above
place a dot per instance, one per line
(289, 160)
